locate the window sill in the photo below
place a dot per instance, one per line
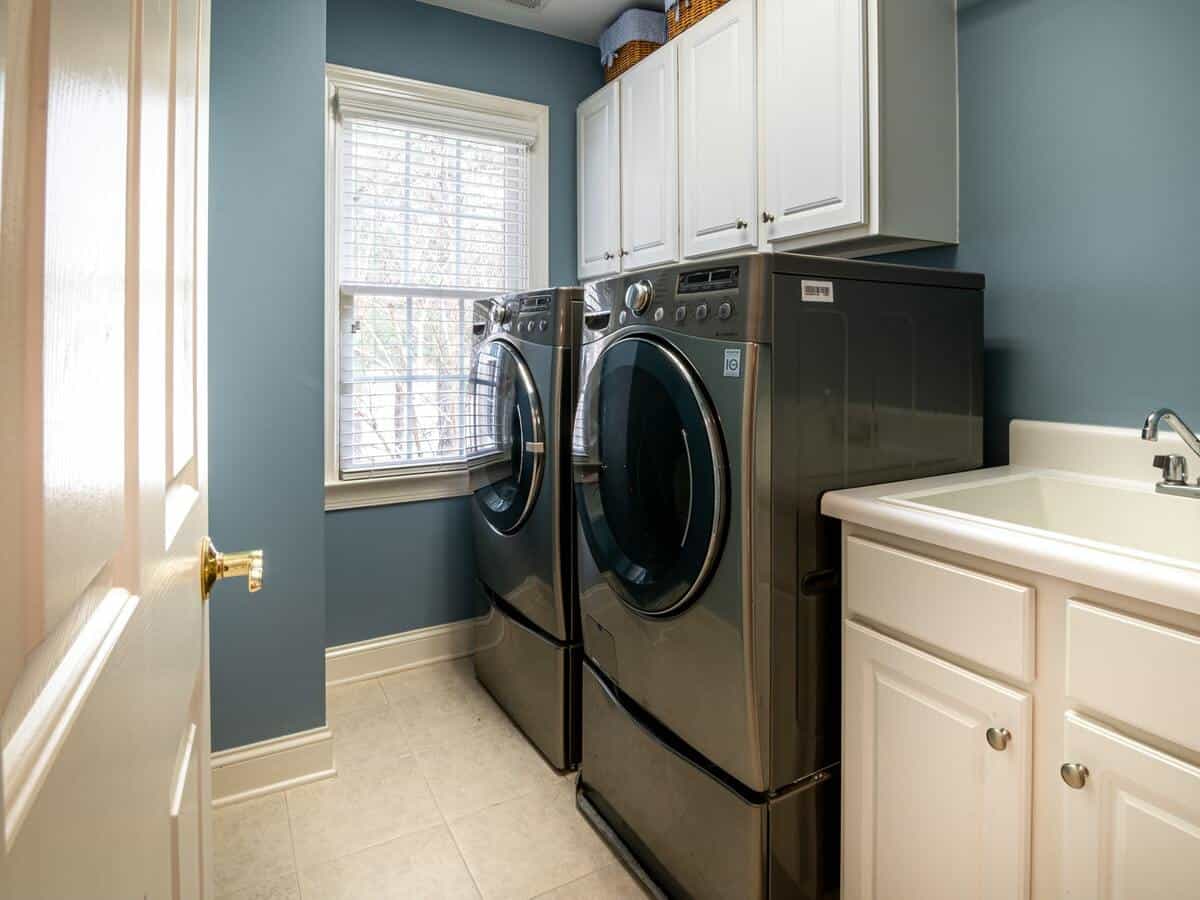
(396, 489)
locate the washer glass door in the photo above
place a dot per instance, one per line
(509, 440)
(650, 475)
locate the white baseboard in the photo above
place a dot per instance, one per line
(242, 773)
(397, 652)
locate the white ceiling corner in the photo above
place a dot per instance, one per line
(575, 20)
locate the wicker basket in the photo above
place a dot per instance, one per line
(628, 57)
(687, 13)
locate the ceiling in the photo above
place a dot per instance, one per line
(576, 20)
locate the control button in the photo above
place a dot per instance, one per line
(659, 312)
(681, 314)
(701, 312)
(725, 310)
(623, 317)
(543, 325)
(638, 296)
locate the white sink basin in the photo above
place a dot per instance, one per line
(1125, 517)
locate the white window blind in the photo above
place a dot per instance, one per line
(431, 219)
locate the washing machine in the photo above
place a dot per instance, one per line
(524, 363)
(718, 401)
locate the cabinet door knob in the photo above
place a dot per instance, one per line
(1074, 774)
(624, 252)
(768, 218)
(608, 255)
(998, 738)
(742, 224)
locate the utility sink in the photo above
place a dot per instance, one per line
(1123, 517)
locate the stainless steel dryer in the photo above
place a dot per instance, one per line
(523, 383)
(718, 401)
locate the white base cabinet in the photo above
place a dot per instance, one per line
(932, 809)
(1053, 757)
(1133, 828)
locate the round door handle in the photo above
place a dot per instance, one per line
(768, 218)
(998, 738)
(1075, 775)
(742, 224)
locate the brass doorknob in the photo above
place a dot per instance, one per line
(215, 565)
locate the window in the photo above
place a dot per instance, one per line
(435, 198)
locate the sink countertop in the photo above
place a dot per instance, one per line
(1107, 452)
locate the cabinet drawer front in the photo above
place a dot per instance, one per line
(1133, 829)
(975, 616)
(1136, 671)
(930, 808)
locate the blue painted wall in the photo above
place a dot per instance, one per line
(266, 246)
(395, 568)
(1079, 126)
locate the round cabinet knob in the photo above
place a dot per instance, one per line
(742, 224)
(608, 255)
(998, 738)
(1074, 774)
(768, 218)
(638, 296)
(501, 314)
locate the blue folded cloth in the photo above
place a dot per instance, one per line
(632, 25)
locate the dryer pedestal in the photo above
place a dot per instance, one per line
(688, 828)
(536, 681)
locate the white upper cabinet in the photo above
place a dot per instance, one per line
(934, 806)
(649, 162)
(1131, 826)
(599, 148)
(718, 128)
(813, 108)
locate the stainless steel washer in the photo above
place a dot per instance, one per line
(523, 381)
(708, 580)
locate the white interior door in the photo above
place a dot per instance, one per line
(1133, 828)
(103, 467)
(930, 808)
(813, 116)
(649, 161)
(718, 132)
(599, 148)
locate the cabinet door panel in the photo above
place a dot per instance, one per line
(930, 809)
(649, 162)
(719, 138)
(599, 148)
(813, 109)
(1133, 829)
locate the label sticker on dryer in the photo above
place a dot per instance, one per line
(816, 291)
(733, 363)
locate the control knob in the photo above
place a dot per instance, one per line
(501, 314)
(638, 297)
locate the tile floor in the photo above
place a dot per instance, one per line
(437, 795)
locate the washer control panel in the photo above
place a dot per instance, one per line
(705, 300)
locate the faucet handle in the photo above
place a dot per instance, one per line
(1174, 468)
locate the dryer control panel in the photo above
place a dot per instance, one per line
(549, 317)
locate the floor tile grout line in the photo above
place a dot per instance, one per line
(465, 862)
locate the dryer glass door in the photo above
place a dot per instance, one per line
(650, 475)
(508, 436)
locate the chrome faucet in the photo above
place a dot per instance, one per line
(1174, 467)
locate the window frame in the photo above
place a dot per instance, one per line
(434, 482)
